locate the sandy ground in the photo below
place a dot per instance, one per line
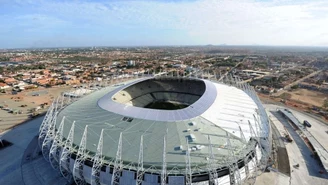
(46, 95)
(310, 97)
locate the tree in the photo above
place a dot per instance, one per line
(325, 104)
(294, 87)
(285, 96)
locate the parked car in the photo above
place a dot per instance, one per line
(306, 123)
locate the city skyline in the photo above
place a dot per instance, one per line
(39, 23)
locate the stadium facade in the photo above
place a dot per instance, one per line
(158, 130)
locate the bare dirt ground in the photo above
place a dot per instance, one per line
(310, 97)
(15, 102)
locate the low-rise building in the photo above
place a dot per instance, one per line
(4, 86)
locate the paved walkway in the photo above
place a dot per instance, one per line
(21, 163)
(298, 153)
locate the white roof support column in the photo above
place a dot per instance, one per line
(188, 166)
(118, 164)
(234, 172)
(49, 112)
(64, 163)
(225, 79)
(197, 73)
(254, 136)
(256, 123)
(265, 154)
(238, 82)
(243, 86)
(220, 79)
(62, 101)
(47, 142)
(262, 114)
(248, 90)
(46, 117)
(56, 147)
(45, 125)
(140, 171)
(98, 161)
(232, 82)
(80, 158)
(213, 175)
(215, 77)
(242, 136)
(164, 173)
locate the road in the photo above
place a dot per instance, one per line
(225, 74)
(302, 79)
(298, 153)
(256, 78)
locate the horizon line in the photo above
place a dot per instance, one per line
(177, 45)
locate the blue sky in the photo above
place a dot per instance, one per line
(61, 23)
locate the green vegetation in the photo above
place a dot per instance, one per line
(325, 104)
(285, 96)
(4, 59)
(26, 67)
(226, 63)
(260, 65)
(86, 59)
(294, 87)
(274, 82)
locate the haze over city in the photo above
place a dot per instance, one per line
(46, 23)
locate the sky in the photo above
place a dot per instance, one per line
(74, 23)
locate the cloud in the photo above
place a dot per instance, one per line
(276, 22)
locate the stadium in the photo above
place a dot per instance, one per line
(158, 130)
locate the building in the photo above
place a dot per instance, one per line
(4, 86)
(158, 130)
(10, 81)
(131, 63)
